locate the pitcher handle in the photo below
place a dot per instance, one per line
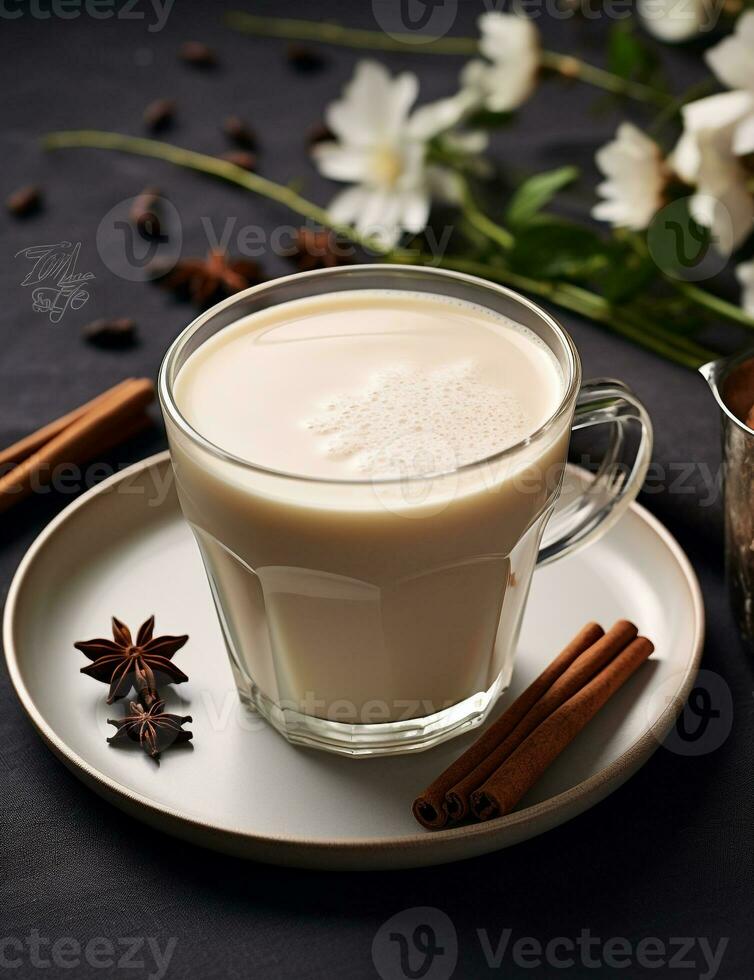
(619, 477)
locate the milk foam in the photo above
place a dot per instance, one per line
(369, 383)
(413, 421)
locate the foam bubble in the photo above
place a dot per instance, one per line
(410, 422)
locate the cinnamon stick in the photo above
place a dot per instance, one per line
(580, 672)
(20, 450)
(523, 768)
(95, 428)
(429, 807)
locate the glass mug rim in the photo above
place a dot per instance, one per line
(169, 372)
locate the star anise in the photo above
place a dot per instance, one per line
(318, 249)
(121, 662)
(153, 728)
(215, 275)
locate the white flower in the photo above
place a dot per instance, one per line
(674, 20)
(706, 156)
(732, 60)
(718, 131)
(511, 43)
(382, 149)
(745, 275)
(636, 177)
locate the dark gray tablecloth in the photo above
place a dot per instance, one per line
(669, 855)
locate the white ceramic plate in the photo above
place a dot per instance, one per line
(123, 549)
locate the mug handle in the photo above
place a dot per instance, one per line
(619, 477)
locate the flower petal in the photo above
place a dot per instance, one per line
(745, 275)
(342, 162)
(414, 210)
(506, 36)
(636, 174)
(743, 136)
(374, 106)
(510, 84)
(674, 20)
(732, 60)
(380, 217)
(435, 117)
(716, 112)
(346, 206)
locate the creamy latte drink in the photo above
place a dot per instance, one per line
(361, 562)
(370, 385)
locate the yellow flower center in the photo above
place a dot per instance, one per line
(387, 165)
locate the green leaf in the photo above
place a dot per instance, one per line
(488, 119)
(628, 56)
(626, 272)
(558, 250)
(536, 192)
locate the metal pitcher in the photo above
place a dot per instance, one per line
(732, 382)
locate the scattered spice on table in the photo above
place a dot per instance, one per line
(198, 54)
(241, 158)
(117, 333)
(76, 437)
(304, 59)
(24, 201)
(204, 279)
(144, 213)
(239, 131)
(160, 114)
(319, 248)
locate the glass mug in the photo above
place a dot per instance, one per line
(379, 617)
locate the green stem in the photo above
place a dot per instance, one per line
(571, 67)
(572, 297)
(674, 106)
(326, 32)
(351, 37)
(672, 346)
(714, 304)
(214, 166)
(479, 220)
